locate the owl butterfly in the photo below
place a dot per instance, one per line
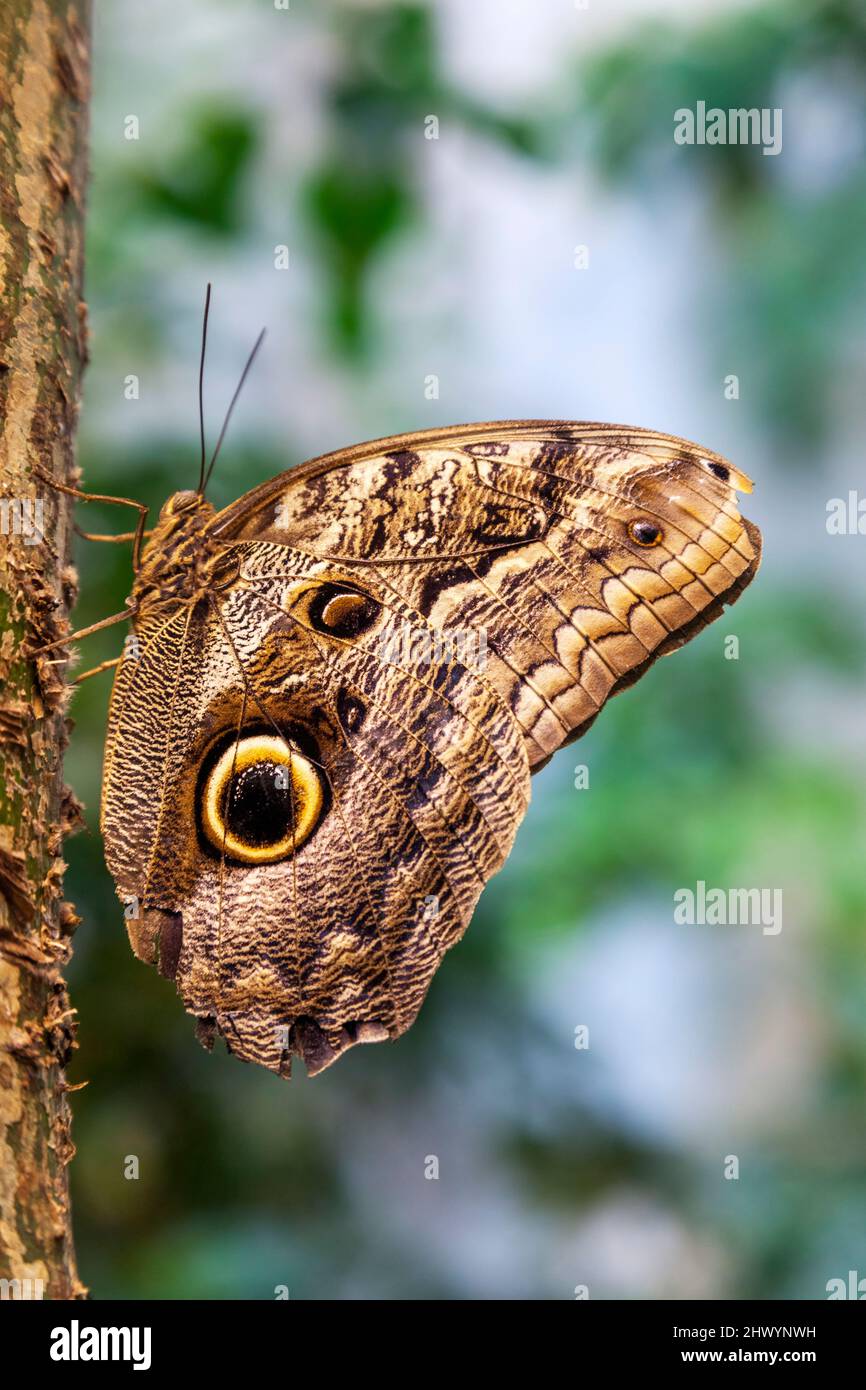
(322, 731)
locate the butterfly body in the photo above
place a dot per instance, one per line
(322, 750)
(177, 559)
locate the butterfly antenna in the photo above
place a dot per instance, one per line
(232, 404)
(201, 477)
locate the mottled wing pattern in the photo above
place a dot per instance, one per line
(504, 598)
(520, 530)
(427, 781)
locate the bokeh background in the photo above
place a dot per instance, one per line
(409, 257)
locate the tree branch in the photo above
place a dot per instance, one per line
(44, 90)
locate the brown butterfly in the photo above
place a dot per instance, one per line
(323, 727)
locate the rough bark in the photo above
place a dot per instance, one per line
(44, 87)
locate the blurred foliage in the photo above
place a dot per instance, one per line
(790, 284)
(388, 80)
(202, 182)
(246, 1183)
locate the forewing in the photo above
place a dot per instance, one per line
(521, 534)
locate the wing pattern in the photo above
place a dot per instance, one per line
(429, 618)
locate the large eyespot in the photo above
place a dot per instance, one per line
(645, 533)
(260, 797)
(340, 611)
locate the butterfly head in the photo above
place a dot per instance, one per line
(182, 507)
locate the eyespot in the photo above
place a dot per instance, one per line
(350, 711)
(720, 470)
(260, 797)
(339, 611)
(645, 533)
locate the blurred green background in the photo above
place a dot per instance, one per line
(455, 258)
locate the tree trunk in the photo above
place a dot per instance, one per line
(44, 88)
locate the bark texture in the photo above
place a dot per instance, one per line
(44, 89)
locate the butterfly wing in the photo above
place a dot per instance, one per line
(422, 621)
(521, 531)
(424, 780)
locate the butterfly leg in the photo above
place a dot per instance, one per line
(82, 632)
(113, 540)
(136, 536)
(95, 670)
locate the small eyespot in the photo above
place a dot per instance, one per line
(342, 612)
(720, 470)
(645, 533)
(259, 799)
(350, 711)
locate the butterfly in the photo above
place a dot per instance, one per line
(324, 724)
